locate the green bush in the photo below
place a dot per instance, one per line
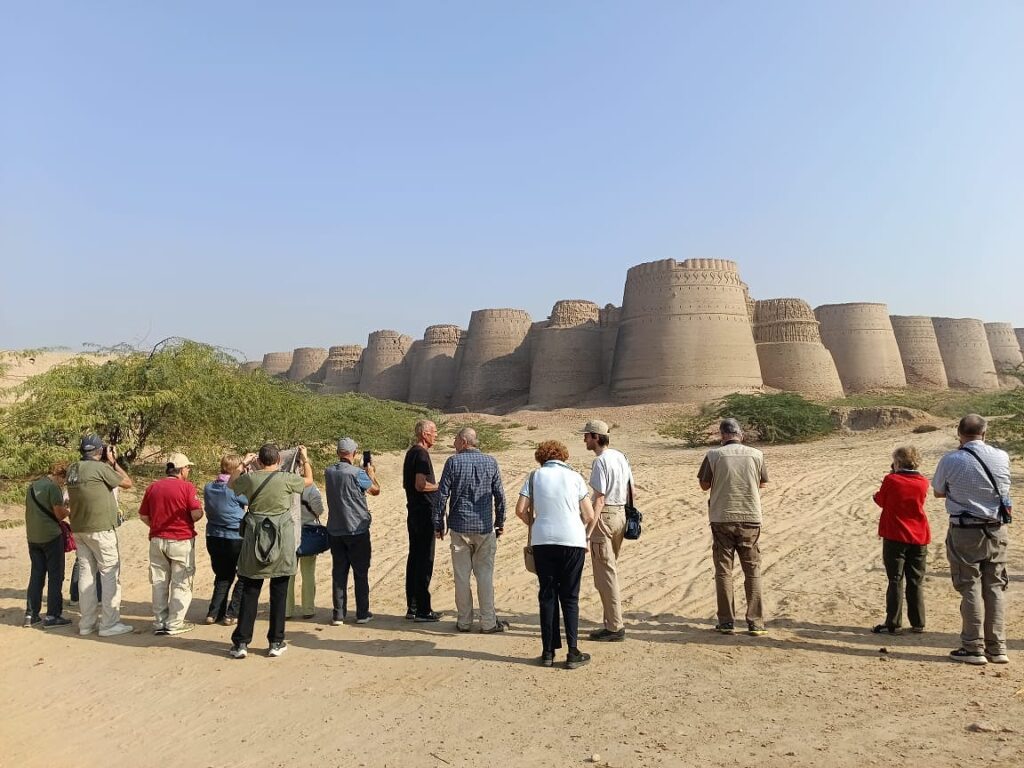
(782, 417)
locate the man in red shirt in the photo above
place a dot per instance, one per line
(170, 507)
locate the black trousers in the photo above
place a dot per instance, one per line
(351, 552)
(46, 566)
(559, 570)
(419, 567)
(251, 589)
(224, 560)
(904, 562)
(74, 584)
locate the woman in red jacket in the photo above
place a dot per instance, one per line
(903, 526)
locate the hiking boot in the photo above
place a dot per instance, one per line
(239, 651)
(604, 635)
(410, 614)
(365, 619)
(997, 658)
(55, 621)
(726, 628)
(276, 649)
(186, 626)
(31, 621)
(428, 617)
(118, 629)
(576, 659)
(968, 657)
(755, 631)
(499, 626)
(547, 659)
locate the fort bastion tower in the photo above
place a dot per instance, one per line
(342, 368)
(919, 350)
(432, 374)
(862, 342)
(494, 360)
(566, 354)
(306, 363)
(790, 351)
(684, 334)
(385, 374)
(1006, 354)
(965, 353)
(277, 363)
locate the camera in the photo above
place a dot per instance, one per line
(367, 458)
(109, 454)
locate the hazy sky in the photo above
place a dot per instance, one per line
(265, 176)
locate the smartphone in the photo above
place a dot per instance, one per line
(367, 458)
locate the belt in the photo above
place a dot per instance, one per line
(980, 524)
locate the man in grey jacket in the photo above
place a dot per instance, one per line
(348, 526)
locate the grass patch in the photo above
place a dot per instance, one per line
(777, 418)
(491, 436)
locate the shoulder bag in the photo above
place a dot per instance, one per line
(315, 540)
(528, 560)
(634, 517)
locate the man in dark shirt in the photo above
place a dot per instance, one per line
(420, 492)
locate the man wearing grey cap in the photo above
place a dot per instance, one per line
(348, 526)
(612, 481)
(735, 473)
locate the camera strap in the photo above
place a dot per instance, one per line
(988, 473)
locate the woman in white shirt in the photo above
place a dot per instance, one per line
(562, 518)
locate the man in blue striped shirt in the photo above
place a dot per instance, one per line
(977, 540)
(471, 481)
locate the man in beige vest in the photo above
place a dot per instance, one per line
(735, 473)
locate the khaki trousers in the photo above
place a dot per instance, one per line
(977, 564)
(172, 564)
(307, 567)
(605, 542)
(729, 540)
(98, 558)
(473, 553)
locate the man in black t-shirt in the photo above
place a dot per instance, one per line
(420, 492)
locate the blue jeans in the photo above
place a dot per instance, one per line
(47, 564)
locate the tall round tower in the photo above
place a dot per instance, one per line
(684, 333)
(432, 377)
(790, 351)
(567, 356)
(1002, 342)
(342, 369)
(277, 363)
(385, 374)
(863, 345)
(494, 366)
(919, 350)
(965, 353)
(306, 363)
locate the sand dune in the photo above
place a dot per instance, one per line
(815, 691)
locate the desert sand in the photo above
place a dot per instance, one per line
(818, 690)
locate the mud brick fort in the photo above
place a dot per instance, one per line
(687, 331)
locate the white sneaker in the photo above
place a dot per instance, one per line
(239, 651)
(118, 629)
(85, 630)
(997, 658)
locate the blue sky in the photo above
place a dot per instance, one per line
(265, 177)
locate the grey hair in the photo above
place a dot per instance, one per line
(468, 435)
(421, 425)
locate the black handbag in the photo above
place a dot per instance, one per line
(634, 517)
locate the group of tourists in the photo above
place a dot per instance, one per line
(265, 521)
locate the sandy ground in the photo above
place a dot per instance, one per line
(818, 690)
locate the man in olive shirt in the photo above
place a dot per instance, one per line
(735, 473)
(269, 541)
(93, 518)
(44, 509)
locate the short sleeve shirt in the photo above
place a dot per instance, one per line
(610, 476)
(966, 486)
(417, 462)
(275, 498)
(557, 492)
(169, 503)
(93, 505)
(40, 527)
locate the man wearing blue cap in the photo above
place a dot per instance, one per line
(93, 519)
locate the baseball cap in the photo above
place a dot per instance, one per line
(730, 427)
(178, 461)
(90, 443)
(596, 426)
(347, 445)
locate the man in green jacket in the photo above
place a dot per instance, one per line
(269, 541)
